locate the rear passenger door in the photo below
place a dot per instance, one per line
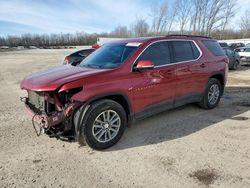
(189, 71)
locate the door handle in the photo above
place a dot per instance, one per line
(203, 65)
(168, 72)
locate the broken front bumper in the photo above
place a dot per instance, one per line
(44, 121)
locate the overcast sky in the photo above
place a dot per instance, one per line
(69, 16)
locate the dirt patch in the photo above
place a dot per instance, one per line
(242, 103)
(37, 161)
(205, 176)
(155, 152)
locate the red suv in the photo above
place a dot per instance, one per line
(125, 81)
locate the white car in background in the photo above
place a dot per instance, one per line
(244, 54)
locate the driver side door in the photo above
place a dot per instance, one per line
(154, 90)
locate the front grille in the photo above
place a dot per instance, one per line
(36, 100)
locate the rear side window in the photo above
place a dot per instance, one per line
(225, 51)
(230, 52)
(214, 47)
(184, 51)
(158, 53)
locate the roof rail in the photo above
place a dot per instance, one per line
(189, 36)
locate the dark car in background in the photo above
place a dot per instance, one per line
(76, 57)
(223, 44)
(236, 45)
(233, 56)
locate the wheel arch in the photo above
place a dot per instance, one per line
(118, 97)
(221, 77)
(122, 99)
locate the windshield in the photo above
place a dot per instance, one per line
(247, 50)
(109, 56)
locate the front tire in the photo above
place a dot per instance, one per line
(212, 94)
(103, 125)
(235, 65)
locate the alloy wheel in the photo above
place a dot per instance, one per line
(213, 94)
(106, 126)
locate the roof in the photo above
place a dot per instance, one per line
(147, 39)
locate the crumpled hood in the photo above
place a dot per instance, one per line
(53, 78)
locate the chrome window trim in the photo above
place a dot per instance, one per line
(179, 62)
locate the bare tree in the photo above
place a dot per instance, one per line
(230, 11)
(140, 28)
(120, 31)
(215, 14)
(159, 14)
(211, 15)
(245, 24)
(2, 41)
(183, 8)
(199, 16)
(205, 17)
(172, 18)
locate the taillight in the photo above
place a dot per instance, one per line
(95, 46)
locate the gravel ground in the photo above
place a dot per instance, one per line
(184, 147)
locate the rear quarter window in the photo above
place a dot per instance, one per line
(214, 47)
(195, 50)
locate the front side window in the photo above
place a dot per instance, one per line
(158, 53)
(109, 56)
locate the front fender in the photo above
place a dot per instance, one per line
(71, 85)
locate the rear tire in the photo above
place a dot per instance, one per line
(212, 94)
(103, 124)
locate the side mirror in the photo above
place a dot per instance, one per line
(144, 65)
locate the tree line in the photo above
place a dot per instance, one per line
(197, 17)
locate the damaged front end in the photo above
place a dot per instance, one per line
(52, 112)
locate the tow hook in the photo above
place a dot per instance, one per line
(23, 99)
